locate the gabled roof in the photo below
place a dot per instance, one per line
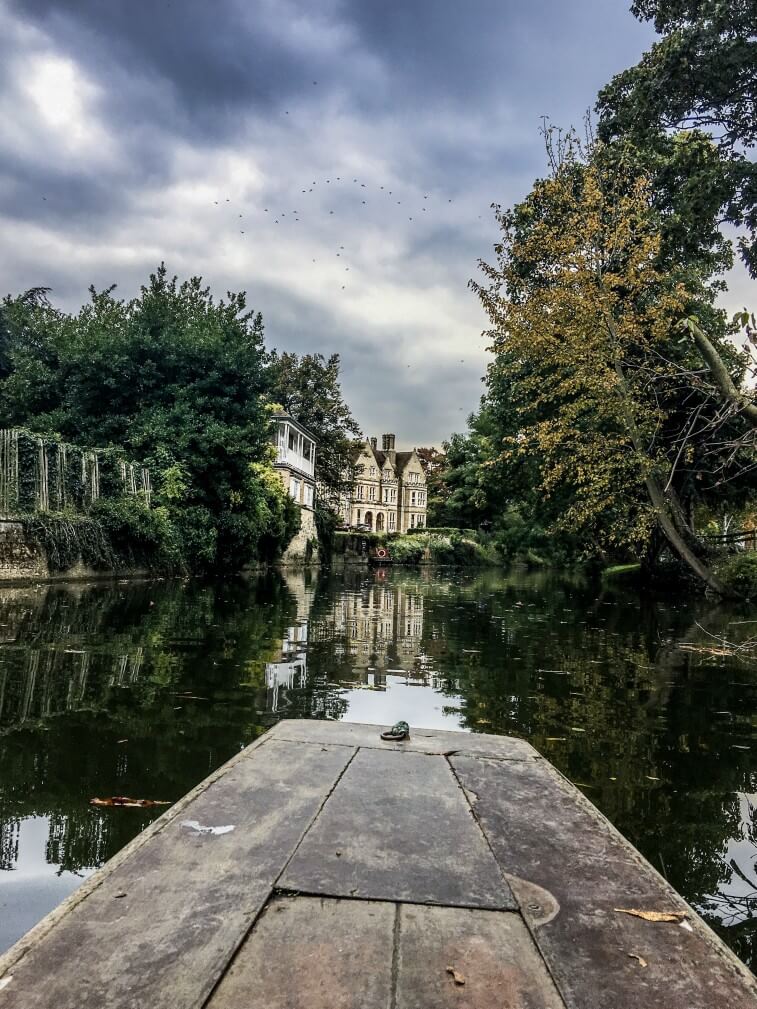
(403, 458)
(397, 460)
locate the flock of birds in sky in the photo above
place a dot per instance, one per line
(280, 216)
(295, 215)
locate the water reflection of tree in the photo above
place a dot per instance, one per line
(82, 668)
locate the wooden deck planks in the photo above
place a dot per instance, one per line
(188, 897)
(492, 951)
(407, 858)
(545, 832)
(399, 828)
(326, 953)
(314, 953)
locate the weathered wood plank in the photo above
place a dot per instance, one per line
(313, 953)
(160, 928)
(398, 827)
(421, 740)
(492, 951)
(546, 833)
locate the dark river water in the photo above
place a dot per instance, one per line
(142, 689)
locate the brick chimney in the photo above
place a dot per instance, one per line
(387, 442)
(374, 443)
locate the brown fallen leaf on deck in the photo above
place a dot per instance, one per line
(652, 915)
(124, 800)
(459, 979)
(635, 956)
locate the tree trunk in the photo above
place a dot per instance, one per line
(667, 511)
(720, 374)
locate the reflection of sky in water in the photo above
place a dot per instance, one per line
(403, 699)
(34, 885)
(736, 899)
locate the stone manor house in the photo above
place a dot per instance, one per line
(389, 492)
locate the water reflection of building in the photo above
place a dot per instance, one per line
(289, 669)
(378, 628)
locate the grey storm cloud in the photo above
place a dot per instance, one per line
(187, 131)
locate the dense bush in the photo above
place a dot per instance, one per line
(139, 537)
(115, 535)
(455, 549)
(739, 575)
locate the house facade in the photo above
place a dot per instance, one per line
(295, 459)
(389, 490)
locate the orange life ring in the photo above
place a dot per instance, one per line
(381, 552)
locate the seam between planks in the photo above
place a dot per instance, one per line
(274, 889)
(395, 977)
(38, 932)
(287, 891)
(316, 815)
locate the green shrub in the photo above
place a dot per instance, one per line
(139, 537)
(452, 531)
(454, 549)
(739, 575)
(408, 549)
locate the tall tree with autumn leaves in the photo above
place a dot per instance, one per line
(588, 304)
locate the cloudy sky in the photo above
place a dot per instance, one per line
(336, 160)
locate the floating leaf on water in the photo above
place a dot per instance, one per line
(124, 800)
(576, 728)
(635, 956)
(556, 739)
(675, 916)
(459, 979)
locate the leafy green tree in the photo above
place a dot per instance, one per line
(177, 379)
(701, 75)
(586, 298)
